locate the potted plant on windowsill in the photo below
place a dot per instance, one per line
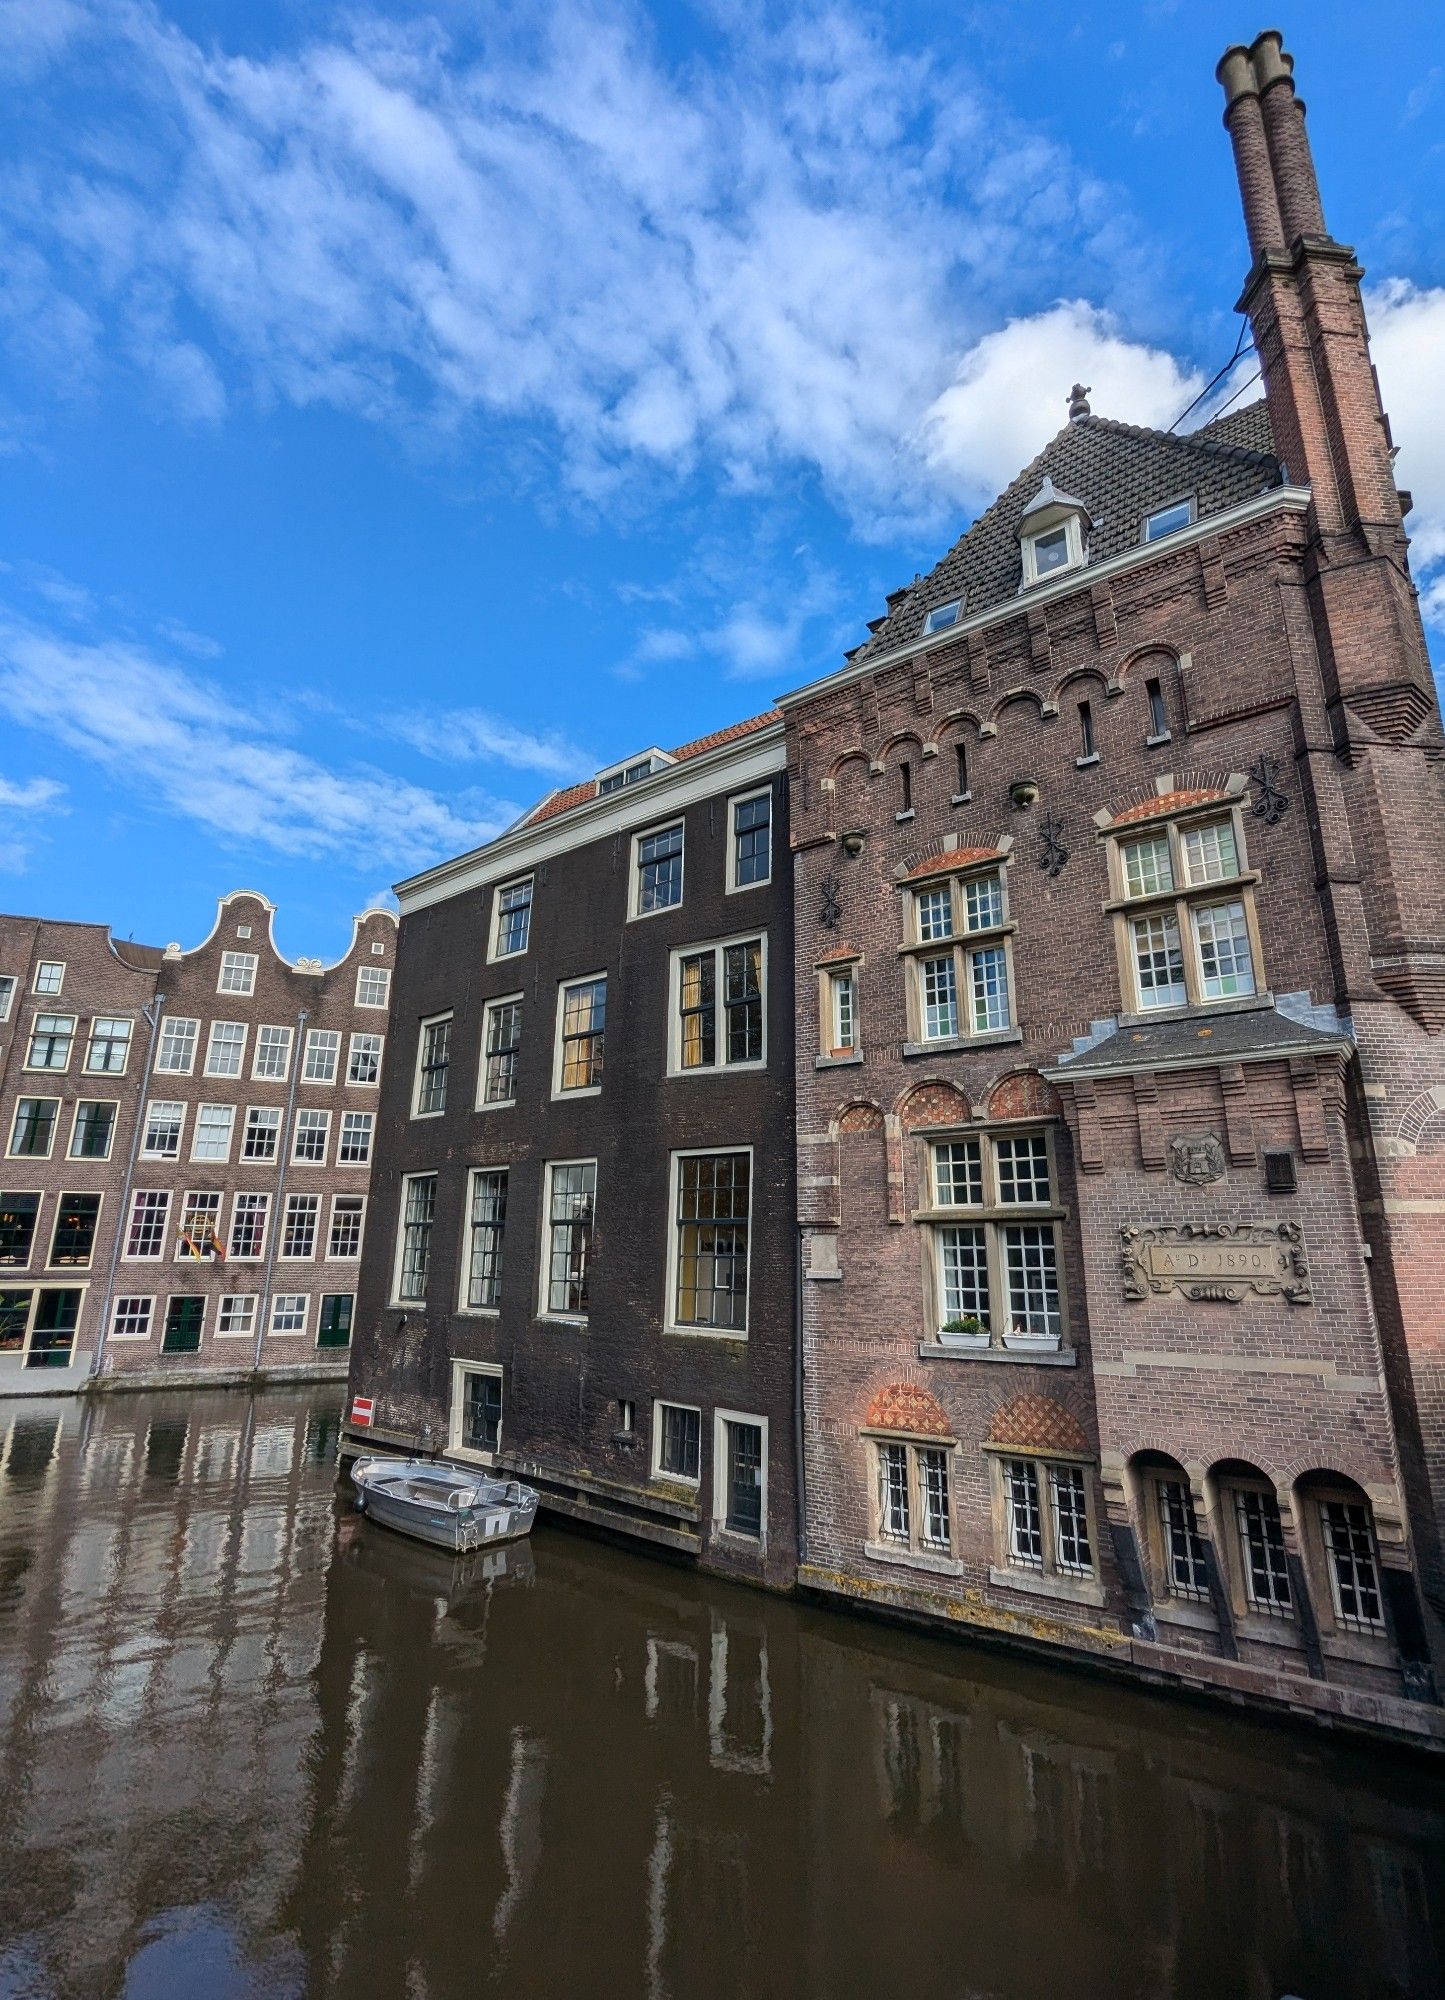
(967, 1332)
(1025, 1340)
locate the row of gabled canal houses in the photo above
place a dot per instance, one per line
(971, 1139)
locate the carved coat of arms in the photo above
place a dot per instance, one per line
(1196, 1158)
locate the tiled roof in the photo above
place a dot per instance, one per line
(903, 1406)
(1168, 802)
(1037, 1423)
(1258, 1032)
(948, 861)
(1121, 472)
(576, 795)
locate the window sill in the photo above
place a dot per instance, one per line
(578, 1320)
(933, 1565)
(736, 1336)
(498, 1104)
(902, 819)
(580, 1090)
(1187, 1614)
(838, 1062)
(1083, 763)
(1153, 742)
(961, 1044)
(735, 1538)
(479, 1312)
(961, 799)
(1251, 1003)
(470, 1457)
(1361, 1648)
(700, 1069)
(1032, 1583)
(1039, 1357)
(1263, 1630)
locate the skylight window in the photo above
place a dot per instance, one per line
(942, 616)
(1168, 520)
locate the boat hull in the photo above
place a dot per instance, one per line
(442, 1506)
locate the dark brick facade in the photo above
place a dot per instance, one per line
(160, 1315)
(563, 1381)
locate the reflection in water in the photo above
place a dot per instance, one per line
(254, 1746)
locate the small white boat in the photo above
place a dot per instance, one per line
(443, 1504)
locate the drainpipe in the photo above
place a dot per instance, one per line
(799, 1478)
(152, 1014)
(283, 1154)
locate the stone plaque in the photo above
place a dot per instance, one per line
(1215, 1262)
(1196, 1158)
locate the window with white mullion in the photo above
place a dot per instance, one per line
(571, 1197)
(968, 990)
(176, 1046)
(1221, 937)
(1025, 1514)
(501, 1046)
(719, 996)
(108, 1049)
(996, 1273)
(1194, 948)
(418, 1211)
(486, 1228)
(1263, 1563)
(939, 983)
(913, 1505)
(238, 972)
(323, 1054)
(1186, 1574)
(843, 1007)
(226, 1048)
(1354, 1574)
(211, 1139)
(433, 1059)
(164, 1123)
(272, 1061)
(1046, 1524)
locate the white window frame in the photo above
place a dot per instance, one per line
(734, 887)
(243, 963)
(215, 1159)
(565, 987)
(489, 1009)
(258, 1201)
(286, 1042)
(544, 1308)
(162, 1208)
(300, 1201)
(455, 1447)
(464, 1285)
(229, 1300)
(994, 1216)
(32, 1097)
(1181, 903)
(670, 1321)
(356, 1166)
(720, 1420)
(427, 1022)
(146, 1299)
(9, 986)
(720, 1066)
(44, 965)
(371, 972)
(87, 1067)
(317, 1039)
(176, 1104)
(364, 1034)
(311, 1112)
(69, 1037)
(239, 1071)
(70, 1152)
(188, 1209)
(635, 913)
(937, 621)
(169, 1023)
(1186, 501)
(659, 1471)
(494, 927)
(961, 946)
(278, 1299)
(1074, 549)
(417, 1304)
(334, 1256)
(261, 1112)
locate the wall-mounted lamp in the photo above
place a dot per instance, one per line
(1024, 792)
(853, 842)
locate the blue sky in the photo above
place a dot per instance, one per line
(406, 409)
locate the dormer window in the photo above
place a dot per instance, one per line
(618, 776)
(1168, 520)
(942, 616)
(1052, 534)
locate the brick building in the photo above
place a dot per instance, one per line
(187, 1150)
(581, 1262)
(1119, 876)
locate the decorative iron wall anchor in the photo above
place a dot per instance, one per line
(1054, 854)
(1270, 802)
(831, 913)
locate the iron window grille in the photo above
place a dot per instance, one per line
(1353, 1569)
(1186, 1573)
(1265, 1566)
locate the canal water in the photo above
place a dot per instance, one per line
(254, 1746)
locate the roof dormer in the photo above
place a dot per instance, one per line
(1052, 534)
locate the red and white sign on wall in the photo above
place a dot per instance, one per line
(361, 1411)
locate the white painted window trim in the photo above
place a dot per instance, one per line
(50, 992)
(95, 1158)
(670, 1321)
(261, 1159)
(464, 1273)
(494, 923)
(288, 1043)
(145, 1152)
(489, 1008)
(357, 1035)
(188, 1196)
(348, 1256)
(1167, 507)
(33, 1097)
(86, 1068)
(139, 1298)
(239, 1071)
(659, 1471)
(246, 1332)
(178, 1021)
(733, 886)
(1074, 547)
(70, 1036)
(250, 1196)
(290, 1332)
(395, 1299)
(127, 1223)
(245, 962)
(429, 1021)
(314, 1039)
(460, 1371)
(371, 972)
(356, 1166)
(564, 987)
(221, 1159)
(544, 1308)
(722, 1067)
(311, 1112)
(9, 987)
(720, 1420)
(953, 604)
(635, 914)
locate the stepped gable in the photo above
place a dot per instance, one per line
(1120, 472)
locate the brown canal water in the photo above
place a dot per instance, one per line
(255, 1746)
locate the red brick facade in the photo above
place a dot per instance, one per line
(1222, 1454)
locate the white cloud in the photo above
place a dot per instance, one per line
(472, 736)
(1407, 339)
(35, 795)
(1010, 394)
(173, 742)
(769, 256)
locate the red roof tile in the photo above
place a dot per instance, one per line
(945, 864)
(1167, 803)
(578, 795)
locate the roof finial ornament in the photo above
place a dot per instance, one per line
(1079, 403)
